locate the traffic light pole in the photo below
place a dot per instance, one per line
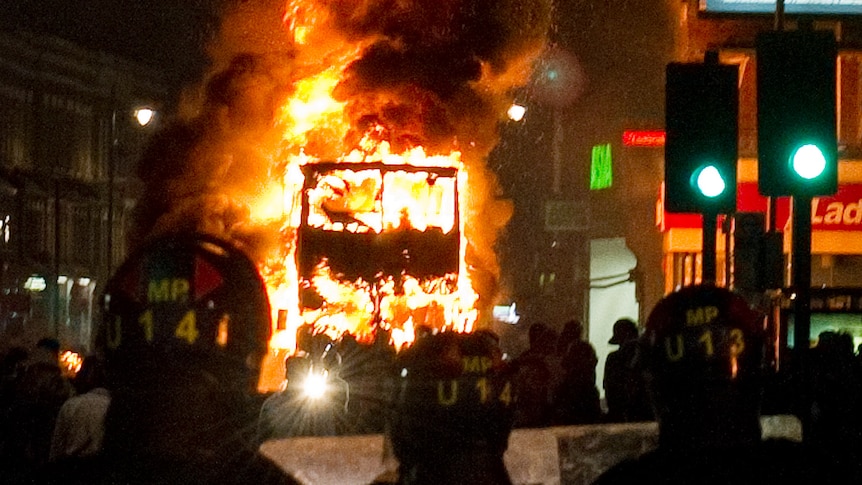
(710, 219)
(801, 263)
(801, 273)
(779, 15)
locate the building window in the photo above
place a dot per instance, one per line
(38, 228)
(546, 283)
(16, 121)
(5, 229)
(67, 136)
(850, 103)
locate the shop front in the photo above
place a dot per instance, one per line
(836, 239)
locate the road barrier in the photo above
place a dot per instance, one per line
(569, 455)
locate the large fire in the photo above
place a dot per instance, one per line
(373, 243)
(371, 240)
(343, 142)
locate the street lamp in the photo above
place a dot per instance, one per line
(143, 116)
(516, 112)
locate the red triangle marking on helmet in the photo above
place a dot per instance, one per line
(129, 283)
(207, 278)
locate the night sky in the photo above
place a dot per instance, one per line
(167, 34)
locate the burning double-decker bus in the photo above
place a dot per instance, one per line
(373, 243)
(389, 233)
(333, 141)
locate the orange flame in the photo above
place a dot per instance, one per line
(408, 202)
(70, 363)
(405, 95)
(359, 305)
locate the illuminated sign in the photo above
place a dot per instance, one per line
(601, 167)
(812, 7)
(643, 138)
(831, 300)
(506, 313)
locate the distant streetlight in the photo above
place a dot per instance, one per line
(516, 112)
(144, 115)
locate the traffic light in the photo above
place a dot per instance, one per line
(797, 148)
(701, 125)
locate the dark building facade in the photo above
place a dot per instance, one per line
(608, 80)
(69, 140)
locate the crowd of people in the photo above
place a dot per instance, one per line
(151, 412)
(555, 379)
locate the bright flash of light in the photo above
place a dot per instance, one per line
(314, 385)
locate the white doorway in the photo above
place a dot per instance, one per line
(612, 295)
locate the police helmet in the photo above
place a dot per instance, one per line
(702, 356)
(456, 390)
(187, 304)
(702, 334)
(453, 414)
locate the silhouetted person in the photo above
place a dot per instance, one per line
(354, 363)
(702, 355)
(577, 398)
(12, 365)
(625, 392)
(535, 380)
(453, 413)
(311, 404)
(185, 329)
(80, 426)
(835, 381)
(39, 393)
(377, 385)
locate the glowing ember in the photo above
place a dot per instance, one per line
(70, 363)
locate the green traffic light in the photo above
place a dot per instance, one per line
(808, 161)
(710, 182)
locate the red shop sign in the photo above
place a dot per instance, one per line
(839, 212)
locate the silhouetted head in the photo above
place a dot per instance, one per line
(91, 375)
(702, 354)
(47, 349)
(541, 337)
(624, 330)
(48, 343)
(572, 330)
(423, 331)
